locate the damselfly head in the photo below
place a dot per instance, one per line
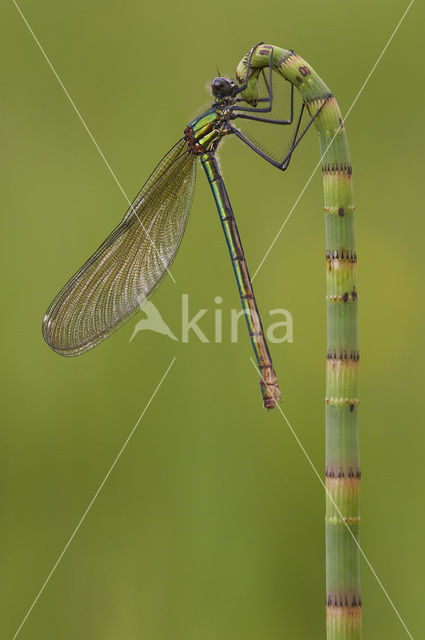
(222, 87)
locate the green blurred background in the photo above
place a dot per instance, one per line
(211, 525)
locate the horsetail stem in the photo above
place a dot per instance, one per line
(343, 600)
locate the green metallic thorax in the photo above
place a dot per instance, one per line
(207, 129)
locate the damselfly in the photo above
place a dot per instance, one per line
(132, 261)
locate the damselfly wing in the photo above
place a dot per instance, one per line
(129, 265)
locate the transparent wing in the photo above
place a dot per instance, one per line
(130, 263)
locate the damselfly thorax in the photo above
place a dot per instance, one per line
(204, 133)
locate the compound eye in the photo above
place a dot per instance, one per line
(221, 87)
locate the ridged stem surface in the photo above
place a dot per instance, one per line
(342, 474)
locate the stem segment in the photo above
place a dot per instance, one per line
(343, 600)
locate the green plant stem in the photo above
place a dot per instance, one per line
(343, 600)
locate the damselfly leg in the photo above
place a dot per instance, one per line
(296, 139)
(241, 113)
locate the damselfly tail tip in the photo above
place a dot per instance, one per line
(270, 388)
(270, 401)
